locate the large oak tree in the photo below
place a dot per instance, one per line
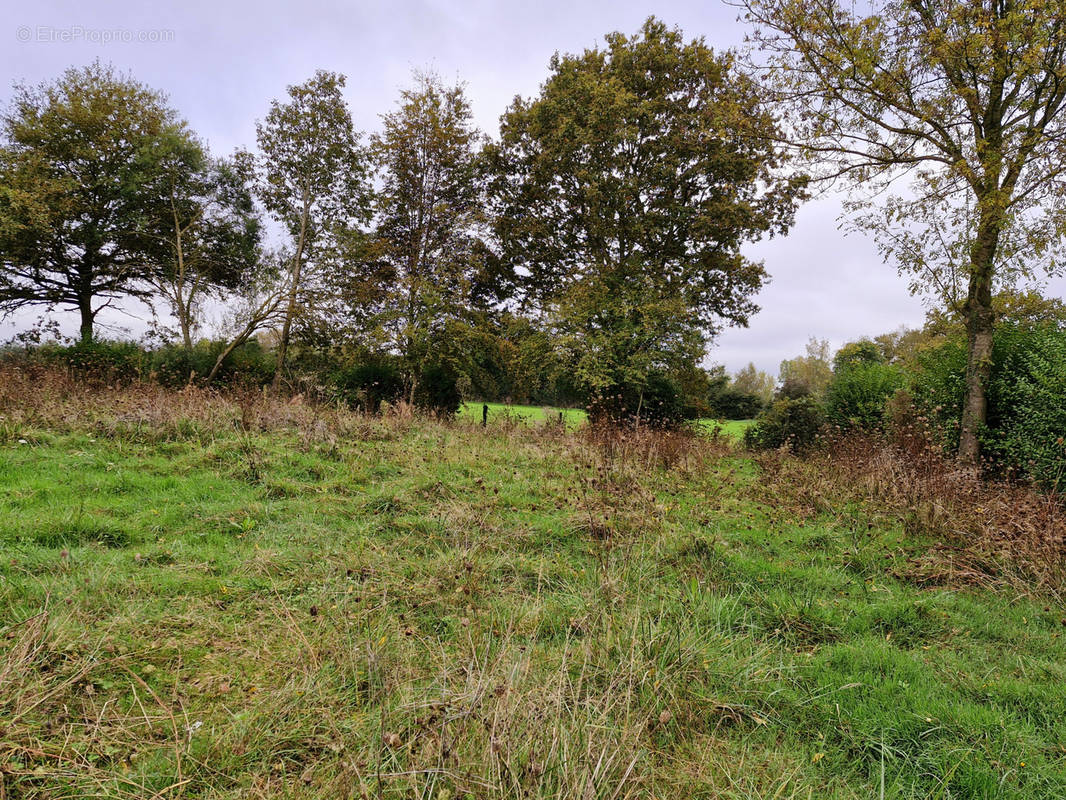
(623, 194)
(81, 166)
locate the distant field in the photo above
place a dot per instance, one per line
(733, 428)
(575, 416)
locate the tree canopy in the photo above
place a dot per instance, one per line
(82, 170)
(623, 193)
(313, 176)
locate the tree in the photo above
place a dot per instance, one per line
(901, 345)
(259, 301)
(753, 381)
(807, 374)
(864, 351)
(313, 178)
(622, 195)
(429, 208)
(81, 166)
(965, 99)
(210, 230)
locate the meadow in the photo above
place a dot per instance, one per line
(574, 417)
(215, 596)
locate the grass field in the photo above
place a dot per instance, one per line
(530, 414)
(575, 416)
(332, 606)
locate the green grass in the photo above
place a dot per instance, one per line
(408, 609)
(733, 428)
(532, 414)
(575, 416)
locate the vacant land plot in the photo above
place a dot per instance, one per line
(206, 599)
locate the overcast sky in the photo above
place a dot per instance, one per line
(221, 63)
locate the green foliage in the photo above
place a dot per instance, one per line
(751, 380)
(82, 166)
(1026, 398)
(961, 106)
(121, 362)
(367, 386)
(808, 374)
(536, 369)
(695, 386)
(793, 388)
(101, 360)
(625, 191)
(857, 395)
(743, 397)
(657, 404)
(437, 390)
(863, 351)
(1031, 401)
(248, 364)
(793, 423)
(210, 228)
(939, 384)
(731, 403)
(428, 209)
(313, 178)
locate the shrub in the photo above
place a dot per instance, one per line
(1031, 406)
(102, 360)
(249, 365)
(657, 404)
(733, 404)
(793, 388)
(366, 386)
(857, 394)
(437, 390)
(1026, 417)
(792, 423)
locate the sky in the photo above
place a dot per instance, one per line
(221, 63)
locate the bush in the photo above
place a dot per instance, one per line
(793, 423)
(1026, 417)
(657, 404)
(857, 395)
(1030, 397)
(248, 365)
(793, 388)
(102, 360)
(733, 404)
(366, 386)
(437, 390)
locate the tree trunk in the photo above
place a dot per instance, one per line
(980, 323)
(186, 329)
(237, 342)
(294, 286)
(184, 309)
(85, 308)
